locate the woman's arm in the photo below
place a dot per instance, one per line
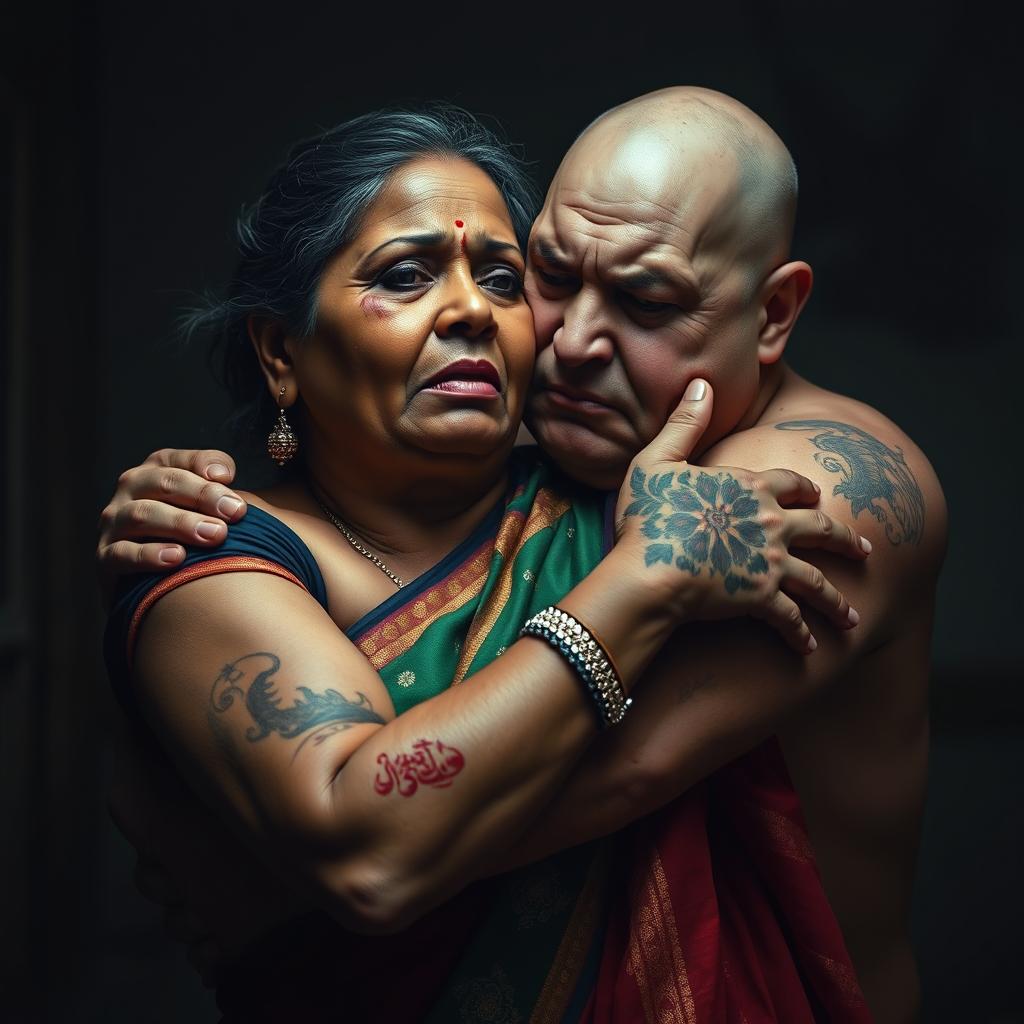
(274, 715)
(266, 707)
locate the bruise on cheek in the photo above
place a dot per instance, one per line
(374, 305)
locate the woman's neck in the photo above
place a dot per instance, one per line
(409, 512)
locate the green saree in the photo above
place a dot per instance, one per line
(534, 953)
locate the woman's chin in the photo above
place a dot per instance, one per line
(466, 433)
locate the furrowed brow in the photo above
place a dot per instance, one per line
(641, 280)
(550, 255)
(644, 279)
(427, 240)
(493, 246)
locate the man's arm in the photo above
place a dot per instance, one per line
(175, 497)
(717, 690)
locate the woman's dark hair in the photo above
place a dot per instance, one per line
(313, 205)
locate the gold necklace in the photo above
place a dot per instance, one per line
(351, 538)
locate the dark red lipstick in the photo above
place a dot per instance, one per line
(471, 378)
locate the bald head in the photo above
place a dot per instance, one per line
(687, 147)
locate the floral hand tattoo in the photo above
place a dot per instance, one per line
(700, 520)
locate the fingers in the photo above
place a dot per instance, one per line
(685, 427)
(812, 528)
(790, 488)
(208, 463)
(145, 518)
(125, 556)
(182, 488)
(807, 582)
(783, 614)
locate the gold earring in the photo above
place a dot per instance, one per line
(282, 444)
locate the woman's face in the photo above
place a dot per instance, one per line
(423, 338)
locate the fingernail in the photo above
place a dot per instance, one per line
(817, 489)
(853, 616)
(812, 644)
(865, 545)
(695, 390)
(209, 531)
(228, 506)
(169, 556)
(217, 471)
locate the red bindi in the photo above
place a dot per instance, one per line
(458, 223)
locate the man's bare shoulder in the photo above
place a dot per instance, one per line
(870, 472)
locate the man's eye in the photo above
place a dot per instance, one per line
(646, 305)
(405, 277)
(504, 281)
(555, 280)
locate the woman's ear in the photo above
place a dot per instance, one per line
(272, 342)
(783, 295)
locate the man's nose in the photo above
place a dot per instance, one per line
(585, 334)
(466, 311)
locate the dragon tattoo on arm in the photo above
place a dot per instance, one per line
(249, 679)
(316, 716)
(873, 477)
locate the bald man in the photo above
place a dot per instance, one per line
(662, 254)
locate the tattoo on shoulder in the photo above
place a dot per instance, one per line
(873, 477)
(250, 680)
(700, 521)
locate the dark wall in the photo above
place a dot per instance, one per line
(903, 124)
(903, 137)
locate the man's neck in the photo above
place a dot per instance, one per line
(773, 377)
(772, 380)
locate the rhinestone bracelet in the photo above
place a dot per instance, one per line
(588, 657)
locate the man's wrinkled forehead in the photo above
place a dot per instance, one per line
(643, 190)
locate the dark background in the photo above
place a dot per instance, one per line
(132, 133)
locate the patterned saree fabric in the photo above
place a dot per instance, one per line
(709, 912)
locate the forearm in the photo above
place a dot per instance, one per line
(518, 726)
(713, 694)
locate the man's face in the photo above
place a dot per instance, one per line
(636, 287)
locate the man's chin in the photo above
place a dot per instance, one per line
(581, 454)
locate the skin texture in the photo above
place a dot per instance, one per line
(640, 278)
(264, 705)
(667, 184)
(654, 184)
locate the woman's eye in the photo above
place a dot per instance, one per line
(504, 281)
(404, 277)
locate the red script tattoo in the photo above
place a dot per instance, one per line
(433, 763)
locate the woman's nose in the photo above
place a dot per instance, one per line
(467, 311)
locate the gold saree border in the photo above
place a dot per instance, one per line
(399, 632)
(546, 510)
(656, 960)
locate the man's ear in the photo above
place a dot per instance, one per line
(783, 295)
(272, 342)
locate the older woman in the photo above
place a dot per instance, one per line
(301, 678)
